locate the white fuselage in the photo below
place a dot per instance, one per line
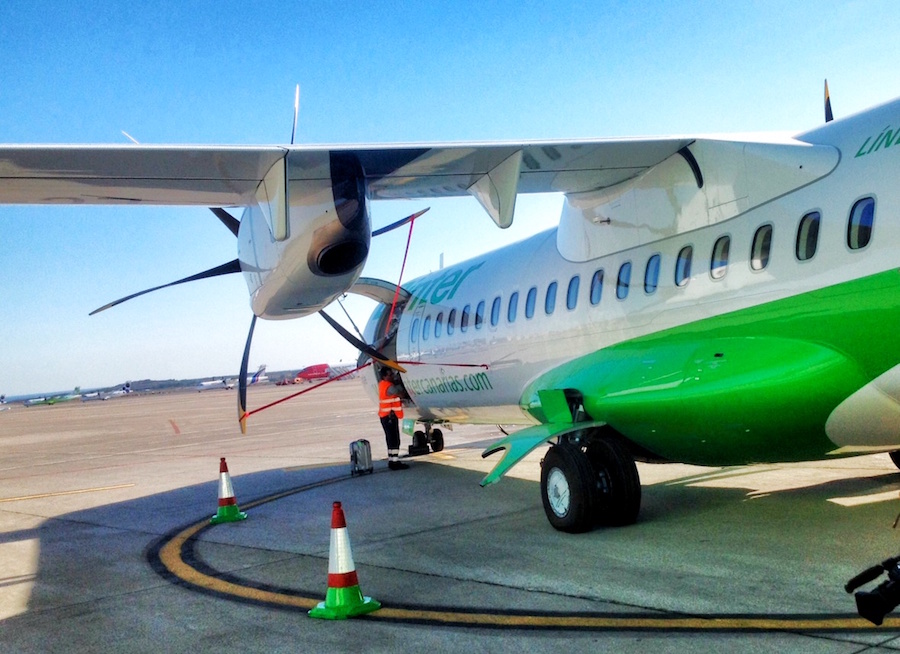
(515, 348)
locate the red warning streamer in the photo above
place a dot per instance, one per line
(247, 414)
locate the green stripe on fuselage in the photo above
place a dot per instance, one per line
(755, 385)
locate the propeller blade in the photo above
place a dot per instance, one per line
(399, 223)
(224, 269)
(359, 345)
(347, 313)
(296, 112)
(227, 219)
(242, 382)
(829, 116)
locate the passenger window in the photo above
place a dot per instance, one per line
(596, 287)
(439, 325)
(479, 315)
(718, 266)
(550, 299)
(426, 327)
(572, 292)
(530, 301)
(495, 311)
(683, 265)
(464, 319)
(859, 230)
(513, 307)
(451, 322)
(623, 280)
(808, 236)
(651, 275)
(414, 330)
(759, 251)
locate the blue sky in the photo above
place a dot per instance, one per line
(370, 72)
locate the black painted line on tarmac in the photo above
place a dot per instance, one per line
(174, 558)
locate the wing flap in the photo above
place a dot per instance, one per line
(134, 174)
(546, 167)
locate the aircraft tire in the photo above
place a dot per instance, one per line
(618, 493)
(568, 489)
(419, 440)
(895, 457)
(437, 440)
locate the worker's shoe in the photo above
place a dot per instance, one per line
(397, 465)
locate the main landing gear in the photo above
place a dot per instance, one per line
(588, 481)
(423, 439)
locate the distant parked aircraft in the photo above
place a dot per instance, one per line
(215, 384)
(53, 399)
(107, 393)
(310, 373)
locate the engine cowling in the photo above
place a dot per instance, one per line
(326, 240)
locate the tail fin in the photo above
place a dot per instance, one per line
(259, 373)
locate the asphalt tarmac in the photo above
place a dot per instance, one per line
(105, 542)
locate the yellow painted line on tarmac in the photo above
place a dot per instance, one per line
(60, 493)
(625, 622)
(170, 556)
(172, 559)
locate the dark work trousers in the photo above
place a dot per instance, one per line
(391, 432)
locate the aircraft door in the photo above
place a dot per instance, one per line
(381, 335)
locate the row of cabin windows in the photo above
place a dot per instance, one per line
(859, 233)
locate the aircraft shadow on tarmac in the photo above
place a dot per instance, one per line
(695, 550)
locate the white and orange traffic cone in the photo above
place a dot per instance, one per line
(344, 598)
(228, 508)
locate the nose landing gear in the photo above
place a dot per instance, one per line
(423, 440)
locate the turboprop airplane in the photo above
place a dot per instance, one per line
(215, 384)
(107, 393)
(713, 300)
(257, 377)
(54, 399)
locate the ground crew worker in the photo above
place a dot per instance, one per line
(390, 410)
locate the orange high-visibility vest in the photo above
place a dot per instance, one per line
(387, 402)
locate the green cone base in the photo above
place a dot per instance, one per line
(343, 603)
(229, 513)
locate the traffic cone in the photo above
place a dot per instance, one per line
(344, 598)
(228, 508)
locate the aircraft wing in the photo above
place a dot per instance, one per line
(226, 176)
(494, 173)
